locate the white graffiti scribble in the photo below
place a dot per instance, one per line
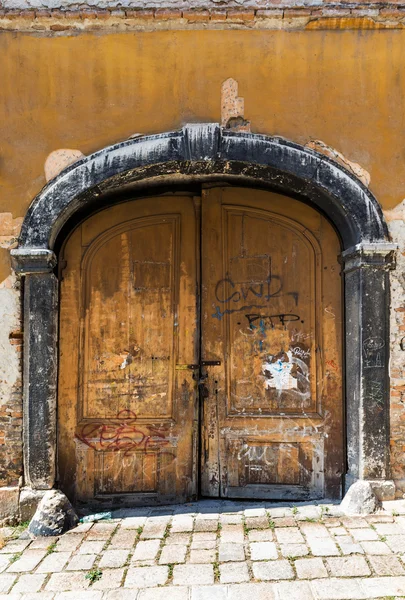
(257, 454)
(300, 352)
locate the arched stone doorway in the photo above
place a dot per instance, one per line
(206, 153)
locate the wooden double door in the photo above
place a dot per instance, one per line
(200, 351)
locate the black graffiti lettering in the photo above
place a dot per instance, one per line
(221, 284)
(246, 291)
(242, 291)
(283, 318)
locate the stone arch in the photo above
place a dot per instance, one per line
(204, 152)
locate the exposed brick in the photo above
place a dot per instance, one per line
(140, 14)
(103, 14)
(240, 15)
(28, 14)
(392, 13)
(42, 13)
(218, 15)
(13, 14)
(88, 14)
(197, 15)
(269, 13)
(291, 13)
(163, 14)
(59, 27)
(58, 14)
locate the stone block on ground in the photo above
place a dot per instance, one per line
(383, 489)
(54, 515)
(29, 500)
(359, 499)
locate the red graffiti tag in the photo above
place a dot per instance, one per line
(122, 434)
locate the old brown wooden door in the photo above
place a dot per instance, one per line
(127, 409)
(271, 315)
(265, 349)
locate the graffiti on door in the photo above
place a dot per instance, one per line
(248, 295)
(123, 434)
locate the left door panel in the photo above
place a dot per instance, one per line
(127, 411)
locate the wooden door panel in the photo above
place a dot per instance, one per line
(127, 413)
(271, 303)
(129, 358)
(263, 299)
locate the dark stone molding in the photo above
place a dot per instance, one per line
(377, 256)
(33, 260)
(205, 152)
(366, 271)
(40, 379)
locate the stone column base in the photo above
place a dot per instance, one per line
(29, 500)
(384, 489)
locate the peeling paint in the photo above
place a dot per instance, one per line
(337, 156)
(59, 160)
(278, 374)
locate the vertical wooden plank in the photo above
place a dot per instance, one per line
(212, 336)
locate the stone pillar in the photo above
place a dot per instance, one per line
(366, 273)
(40, 364)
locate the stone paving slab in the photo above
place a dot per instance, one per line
(213, 551)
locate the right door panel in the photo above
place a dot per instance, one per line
(271, 315)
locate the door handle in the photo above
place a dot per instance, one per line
(203, 390)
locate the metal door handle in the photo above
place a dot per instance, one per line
(203, 390)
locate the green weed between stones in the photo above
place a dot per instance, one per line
(94, 575)
(15, 557)
(19, 529)
(167, 532)
(51, 548)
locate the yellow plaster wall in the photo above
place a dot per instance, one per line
(88, 90)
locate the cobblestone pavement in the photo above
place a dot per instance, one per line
(213, 551)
